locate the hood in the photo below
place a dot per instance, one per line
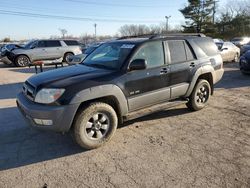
(67, 76)
(18, 50)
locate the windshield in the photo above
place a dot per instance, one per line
(29, 44)
(109, 55)
(90, 49)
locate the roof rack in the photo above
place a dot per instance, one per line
(155, 36)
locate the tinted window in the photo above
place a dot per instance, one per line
(207, 45)
(177, 51)
(41, 44)
(152, 52)
(189, 53)
(71, 42)
(53, 43)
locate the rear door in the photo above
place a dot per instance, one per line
(182, 65)
(53, 48)
(149, 86)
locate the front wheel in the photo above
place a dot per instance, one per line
(200, 95)
(22, 61)
(95, 125)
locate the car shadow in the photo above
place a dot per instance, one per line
(233, 79)
(21, 145)
(10, 91)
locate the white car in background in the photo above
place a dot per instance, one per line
(228, 51)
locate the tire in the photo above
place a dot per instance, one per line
(66, 57)
(22, 61)
(95, 125)
(200, 95)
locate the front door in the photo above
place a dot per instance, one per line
(149, 86)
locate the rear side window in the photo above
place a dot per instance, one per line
(53, 43)
(152, 52)
(71, 42)
(207, 45)
(177, 51)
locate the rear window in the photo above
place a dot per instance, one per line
(207, 45)
(71, 42)
(53, 43)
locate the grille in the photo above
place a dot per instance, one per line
(29, 90)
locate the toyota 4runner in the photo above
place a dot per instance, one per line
(122, 80)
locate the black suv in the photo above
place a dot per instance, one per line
(121, 80)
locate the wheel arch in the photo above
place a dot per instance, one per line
(110, 94)
(207, 73)
(18, 55)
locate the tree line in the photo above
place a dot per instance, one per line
(204, 16)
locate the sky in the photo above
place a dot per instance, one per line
(79, 16)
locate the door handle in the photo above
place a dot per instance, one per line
(192, 64)
(164, 70)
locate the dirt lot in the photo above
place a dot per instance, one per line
(173, 148)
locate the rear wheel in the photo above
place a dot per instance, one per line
(22, 61)
(95, 125)
(67, 56)
(200, 95)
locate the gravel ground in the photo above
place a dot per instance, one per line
(173, 148)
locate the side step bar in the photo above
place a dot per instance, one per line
(153, 109)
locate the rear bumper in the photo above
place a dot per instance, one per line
(217, 75)
(61, 116)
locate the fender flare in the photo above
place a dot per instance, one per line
(102, 91)
(202, 70)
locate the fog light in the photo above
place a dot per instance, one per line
(45, 122)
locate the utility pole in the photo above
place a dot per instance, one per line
(167, 18)
(95, 25)
(214, 11)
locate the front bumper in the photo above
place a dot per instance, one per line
(62, 116)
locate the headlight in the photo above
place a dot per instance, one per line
(47, 96)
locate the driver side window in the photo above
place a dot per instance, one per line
(152, 52)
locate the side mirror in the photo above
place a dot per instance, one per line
(138, 64)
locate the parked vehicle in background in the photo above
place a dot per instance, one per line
(122, 80)
(76, 59)
(245, 63)
(228, 51)
(44, 50)
(218, 40)
(245, 48)
(239, 41)
(4, 50)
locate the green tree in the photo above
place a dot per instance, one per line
(199, 16)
